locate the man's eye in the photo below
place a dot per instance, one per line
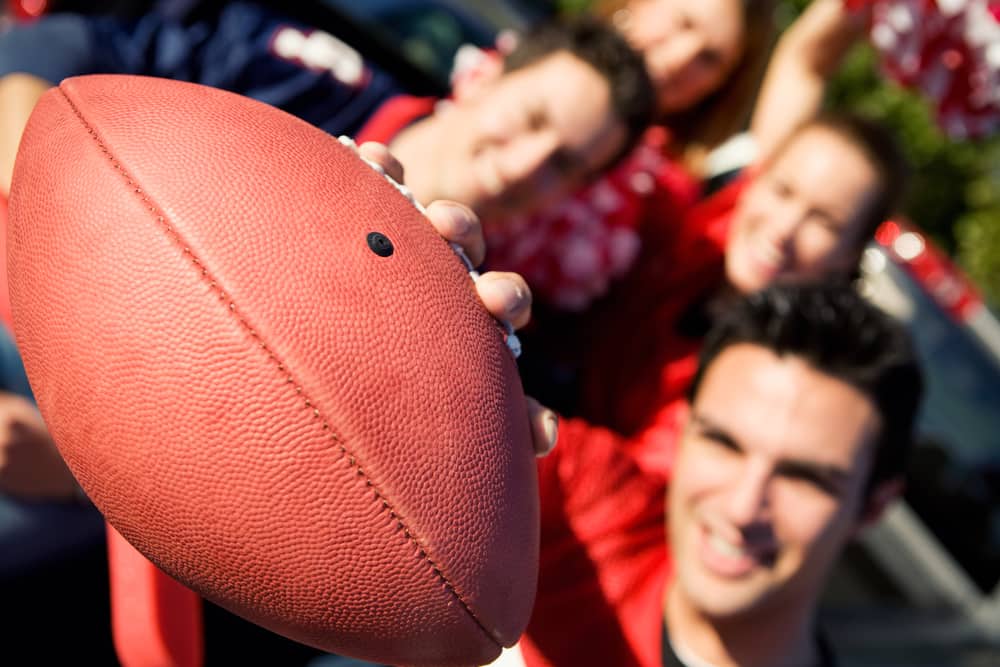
(813, 480)
(830, 223)
(721, 443)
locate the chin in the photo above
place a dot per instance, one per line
(746, 281)
(727, 602)
(719, 597)
(719, 605)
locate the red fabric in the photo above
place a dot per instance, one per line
(393, 116)
(642, 363)
(604, 560)
(155, 620)
(573, 252)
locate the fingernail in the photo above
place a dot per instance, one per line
(459, 217)
(513, 294)
(550, 425)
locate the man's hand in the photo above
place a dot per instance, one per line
(505, 295)
(30, 464)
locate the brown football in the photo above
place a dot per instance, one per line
(270, 373)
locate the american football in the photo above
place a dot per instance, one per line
(269, 372)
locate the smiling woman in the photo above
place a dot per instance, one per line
(815, 205)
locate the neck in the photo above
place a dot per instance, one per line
(775, 637)
(415, 148)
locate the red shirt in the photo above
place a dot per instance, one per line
(604, 560)
(644, 357)
(393, 117)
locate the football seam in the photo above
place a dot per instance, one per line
(352, 460)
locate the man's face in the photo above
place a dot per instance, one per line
(528, 137)
(800, 219)
(768, 484)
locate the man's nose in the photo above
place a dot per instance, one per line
(530, 159)
(783, 222)
(748, 501)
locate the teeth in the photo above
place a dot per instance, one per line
(725, 547)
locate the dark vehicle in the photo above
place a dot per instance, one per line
(923, 587)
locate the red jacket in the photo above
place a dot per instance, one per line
(646, 347)
(604, 560)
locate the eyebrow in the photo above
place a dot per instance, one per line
(837, 221)
(822, 210)
(713, 430)
(831, 476)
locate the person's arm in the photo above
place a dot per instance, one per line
(30, 464)
(805, 58)
(18, 95)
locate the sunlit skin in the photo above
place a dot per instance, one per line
(689, 47)
(801, 218)
(768, 488)
(511, 143)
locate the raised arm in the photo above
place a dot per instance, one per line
(805, 58)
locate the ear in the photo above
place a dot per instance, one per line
(475, 72)
(878, 500)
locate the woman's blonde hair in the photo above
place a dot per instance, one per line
(723, 113)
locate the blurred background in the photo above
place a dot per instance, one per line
(923, 588)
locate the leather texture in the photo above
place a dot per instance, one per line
(330, 443)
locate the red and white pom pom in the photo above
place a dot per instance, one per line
(949, 50)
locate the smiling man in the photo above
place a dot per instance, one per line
(800, 420)
(571, 99)
(800, 423)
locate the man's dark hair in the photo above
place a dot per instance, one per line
(880, 148)
(839, 333)
(603, 48)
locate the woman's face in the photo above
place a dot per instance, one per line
(690, 46)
